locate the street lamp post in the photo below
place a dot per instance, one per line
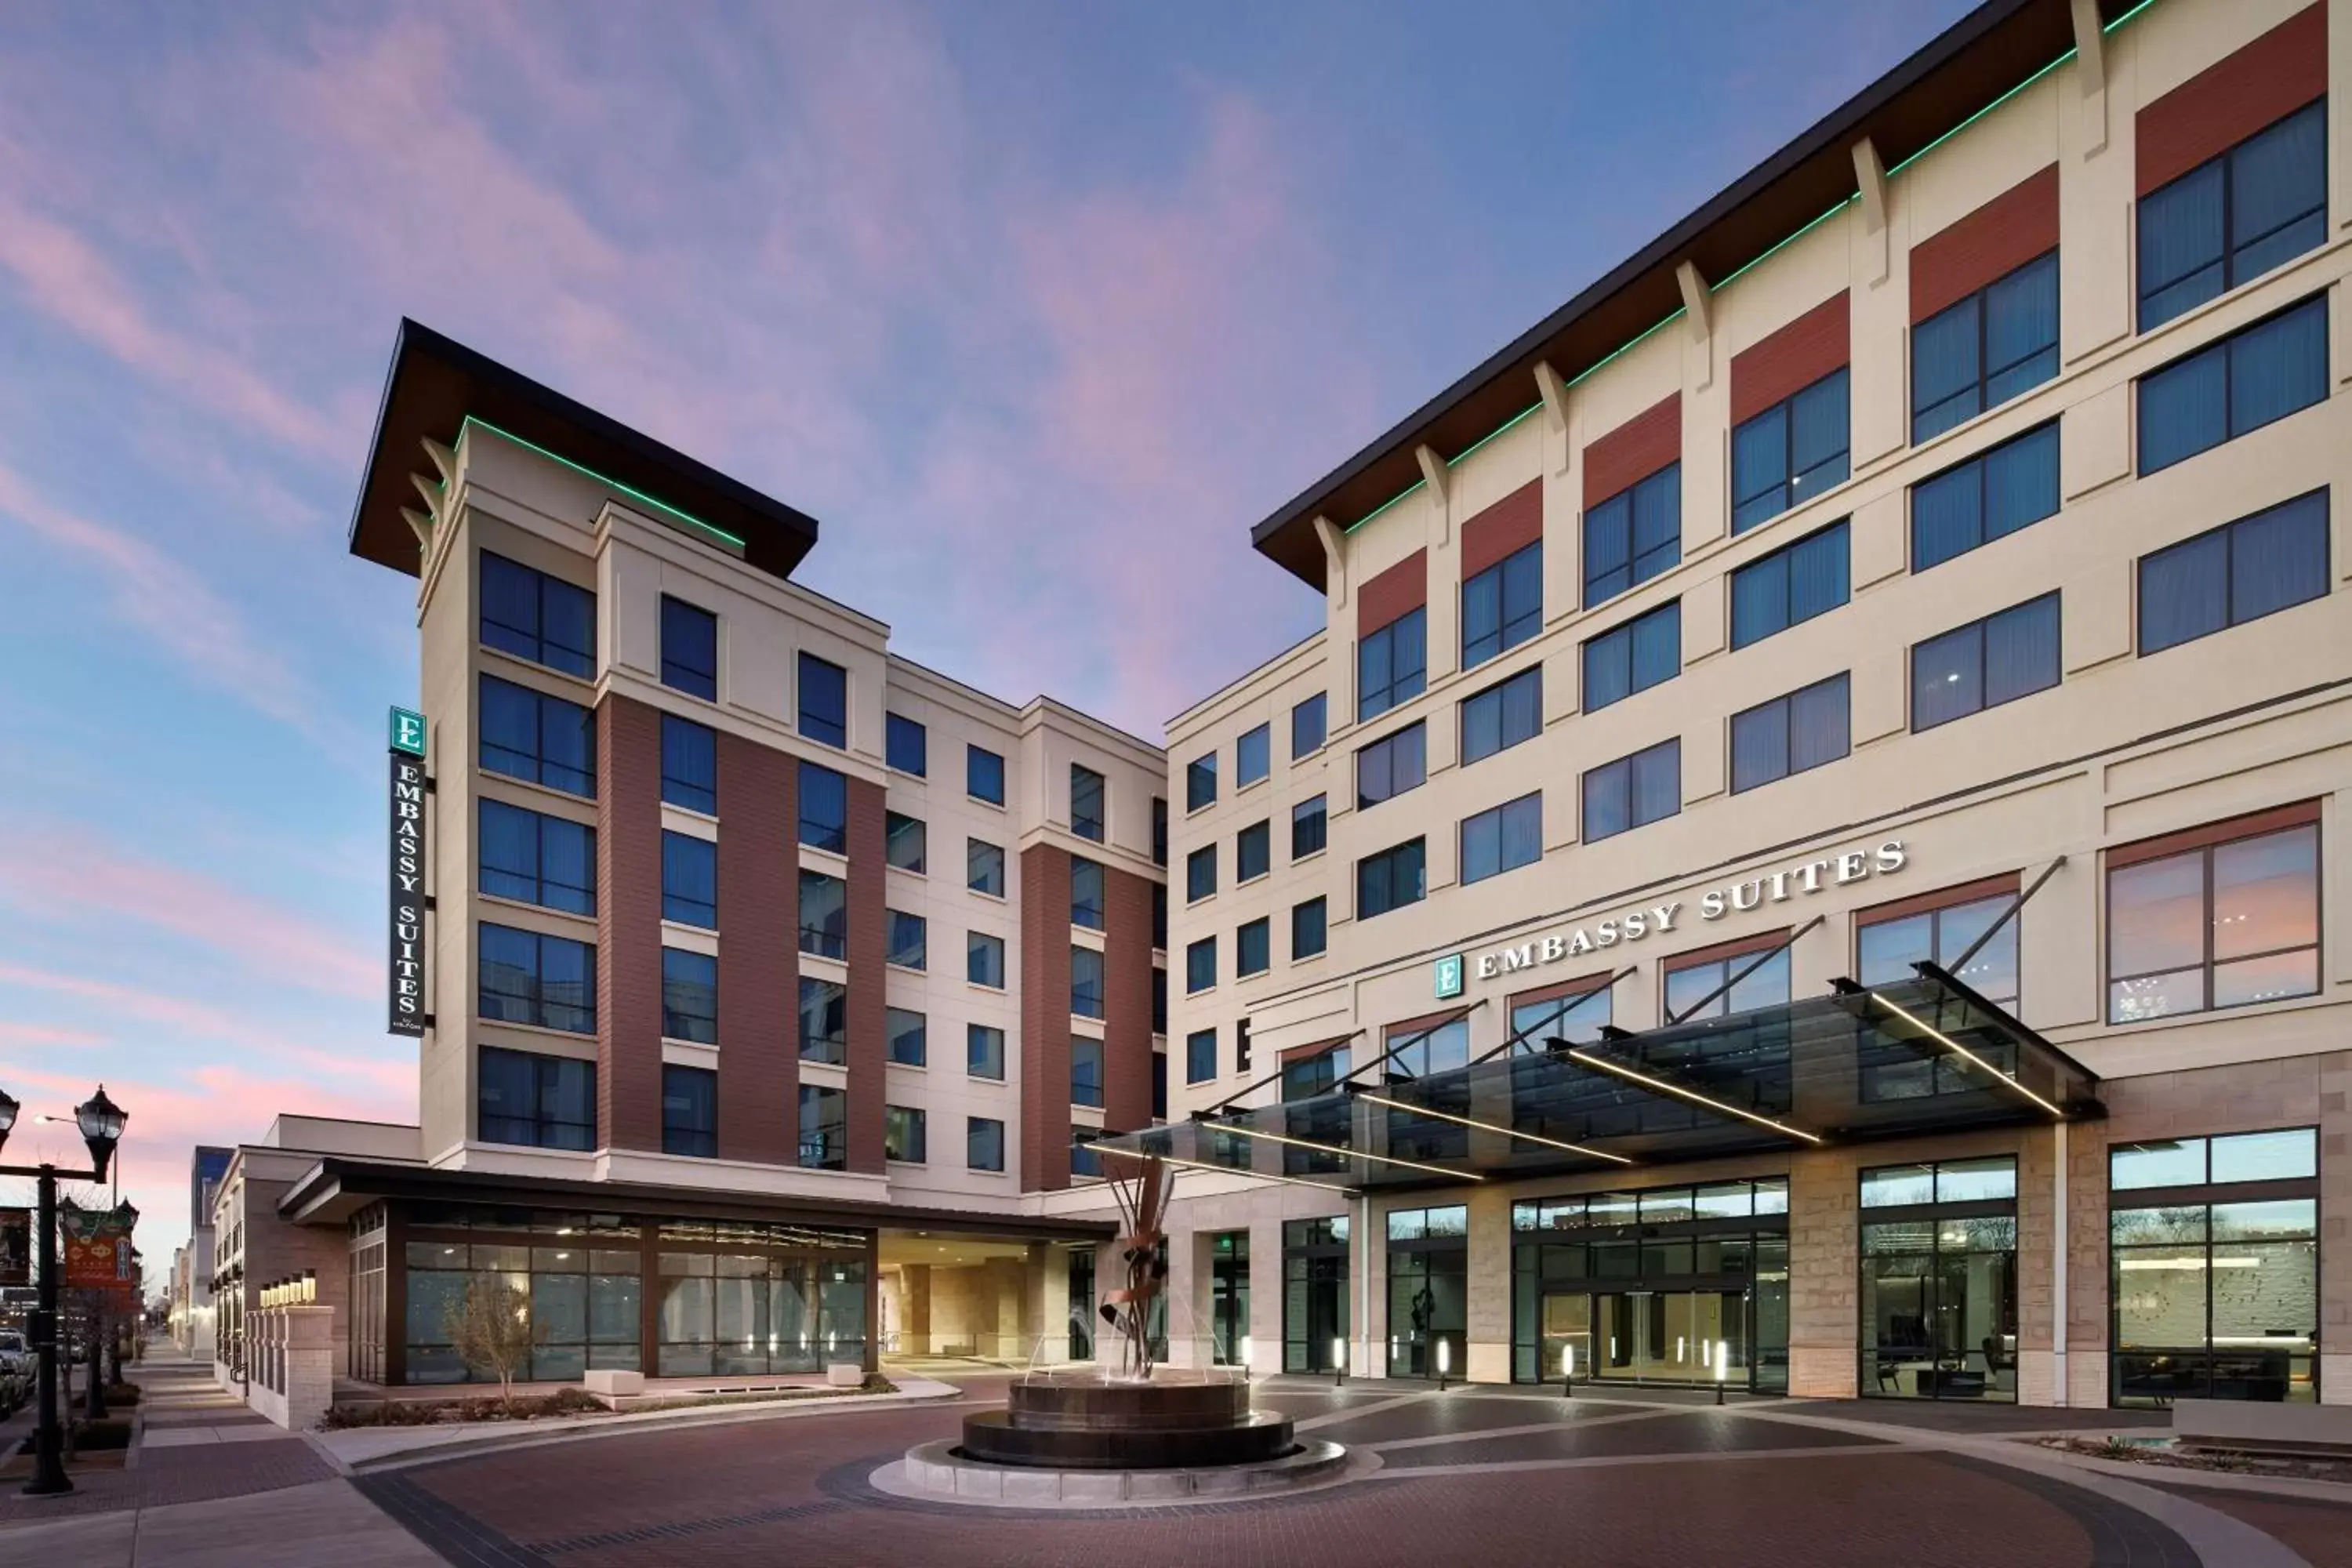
(101, 1122)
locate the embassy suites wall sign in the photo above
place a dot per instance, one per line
(407, 843)
(1800, 880)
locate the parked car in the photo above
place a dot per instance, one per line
(15, 1357)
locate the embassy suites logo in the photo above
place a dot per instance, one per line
(1799, 880)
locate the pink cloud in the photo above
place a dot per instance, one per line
(45, 1036)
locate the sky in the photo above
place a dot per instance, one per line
(1036, 306)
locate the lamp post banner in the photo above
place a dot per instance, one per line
(99, 1254)
(15, 1246)
(406, 957)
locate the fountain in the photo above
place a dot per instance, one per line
(1136, 1431)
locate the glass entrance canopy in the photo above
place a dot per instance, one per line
(1920, 1055)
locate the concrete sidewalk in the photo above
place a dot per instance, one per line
(320, 1522)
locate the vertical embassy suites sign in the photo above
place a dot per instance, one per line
(408, 953)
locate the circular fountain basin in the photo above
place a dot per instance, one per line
(1082, 1423)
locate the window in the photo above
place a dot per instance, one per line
(1633, 791)
(984, 775)
(1241, 1047)
(824, 701)
(910, 1035)
(1159, 915)
(1308, 723)
(1634, 535)
(540, 738)
(689, 648)
(1993, 494)
(825, 1128)
(1503, 605)
(1392, 766)
(535, 616)
(1086, 1070)
(907, 745)
(1391, 880)
(1308, 822)
(1789, 734)
(904, 1134)
(1253, 851)
(1200, 781)
(1200, 1056)
(526, 978)
(689, 880)
(1254, 948)
(2234, 217)
(1575, 1015)
(690, 1111)
(538, 859)
(1391, 664)
(983, 1051)
(983, 959)
(825, 915)
(1160, 1086)
(544, 1103)
(1200, 964)
(910, 941)
(1789, 453)
(1085, 893)
(1503, 715)
(1200, 873)
(1793, 585)
(690, 996)
(690, 765)
(2239, 572)
(1086, 802)
(824, 808)
(983, 1143)
(1307, 933)
(983, 866)
(1086, 982)
(1084, 1161)
(1253, 757)
(1985, 663)
(1159, 830)
(903, 839)
(2219, 925)
(2215, 1285)
(824, 1021)
(1760, 984)
(2246, 381)
(1643, 653)
(1980, 352)
(1885, 951)
(1159, 1000)
(1503, 839)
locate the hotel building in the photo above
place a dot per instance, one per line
(1807, 851)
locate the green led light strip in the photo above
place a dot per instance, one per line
(1628, 346)
(1774, 249)
(606, 481)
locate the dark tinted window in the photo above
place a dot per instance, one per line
(983, 959)
(1391, 664)
(1253, 947)
(1253, 851)
(1200, 781)
(1986, 663)
(1253, 756)
(983, 1051)
(1200, 1056)
(909, 1034)
(1086, 802)
(983, 1143)
(1307, 929)
(1634, 535)
(1086, 982)
(535, 616)
(1793, 584)
(1790, 734)
(1503, 839)
(690, 1111)
(1980, 352)
(527, 978)
(825, 915)
(1391, 880)
(2239, 572)
(2234, 217)
(690, 765)
(1200, 873)
(1308, 725)
(539, 859)
(825, 1128)
(544, 740)
(1995, 493)
(689, 880)
(1200, 964)
(2269, 369)
(1632, 791)
(689, 648)
(825, 701)
(1309, 820)
(1503, 605)
(824, 808)
(904, 842)
(825, 1020)
(1392, 766)
(1634, 657)
(1086, 892)
(1789, 453)
(907, 743)
(690, 996)
(983, 866)
(1085, 1074)
(546, 1102)
(984, 775)
(1503, 715)
(909, 944)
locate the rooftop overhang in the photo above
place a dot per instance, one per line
(335, 1189)
(1972, 64)
(1918, 1056)
(436, 385)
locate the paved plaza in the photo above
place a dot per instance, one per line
(1478, 1475)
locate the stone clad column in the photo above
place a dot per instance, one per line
(628, 925)
(1825, 1290)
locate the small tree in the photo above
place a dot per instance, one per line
(490, 1327)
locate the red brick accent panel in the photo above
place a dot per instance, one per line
(1507, 527)
(869, 951)
(1792, 358)
(1046, 1018)
(1635, 451)
(628, 925)
(1997, 239)
(1126, 1007)
(1397, 592)
(759, 952)
(2230, 100)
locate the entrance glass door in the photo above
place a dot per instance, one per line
(1229, 1293)
(1664, 1336)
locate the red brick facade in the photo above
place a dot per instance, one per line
(1791, 359)
(869, 938)
(1635, 451)
(759, 953)
(1046, 1018)
(1127, 980)
(1504, 529)
(1393, 594)
(1991, 242)
(2230, 100)
(628, 925)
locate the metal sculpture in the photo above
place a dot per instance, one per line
(1142, 1200)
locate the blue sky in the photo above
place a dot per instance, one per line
(1038, 307)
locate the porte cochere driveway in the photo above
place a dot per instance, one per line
(1468, 1476)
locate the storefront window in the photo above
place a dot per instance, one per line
(1314, 1294)
(1429, 1291)
(1229, 1299)
(2214, 1280)
(2212, 925)
(1662, 1286)
(1939, 1280)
